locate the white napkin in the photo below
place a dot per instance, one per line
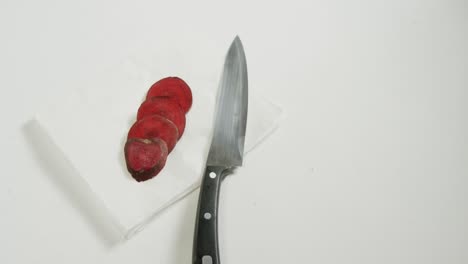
(90, 125)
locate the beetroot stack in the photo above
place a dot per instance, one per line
(160, 124)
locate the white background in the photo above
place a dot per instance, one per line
(370, 164)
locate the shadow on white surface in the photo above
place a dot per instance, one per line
(67, 179)
(184, 241)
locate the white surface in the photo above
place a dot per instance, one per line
(369, 166)
(91, 127)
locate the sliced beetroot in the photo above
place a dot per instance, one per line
(174, 88)
(164, 107)
(145, 158)
(155, 126)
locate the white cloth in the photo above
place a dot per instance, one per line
(90, 126)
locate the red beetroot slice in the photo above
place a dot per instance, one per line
(155, 126)
(164, 107)
(174, 88)
(145, 158)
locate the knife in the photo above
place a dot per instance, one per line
(226, 151)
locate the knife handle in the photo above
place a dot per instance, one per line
(205, 245)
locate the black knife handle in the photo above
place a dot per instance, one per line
(205, 245)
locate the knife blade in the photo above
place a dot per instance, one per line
(226, 151)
